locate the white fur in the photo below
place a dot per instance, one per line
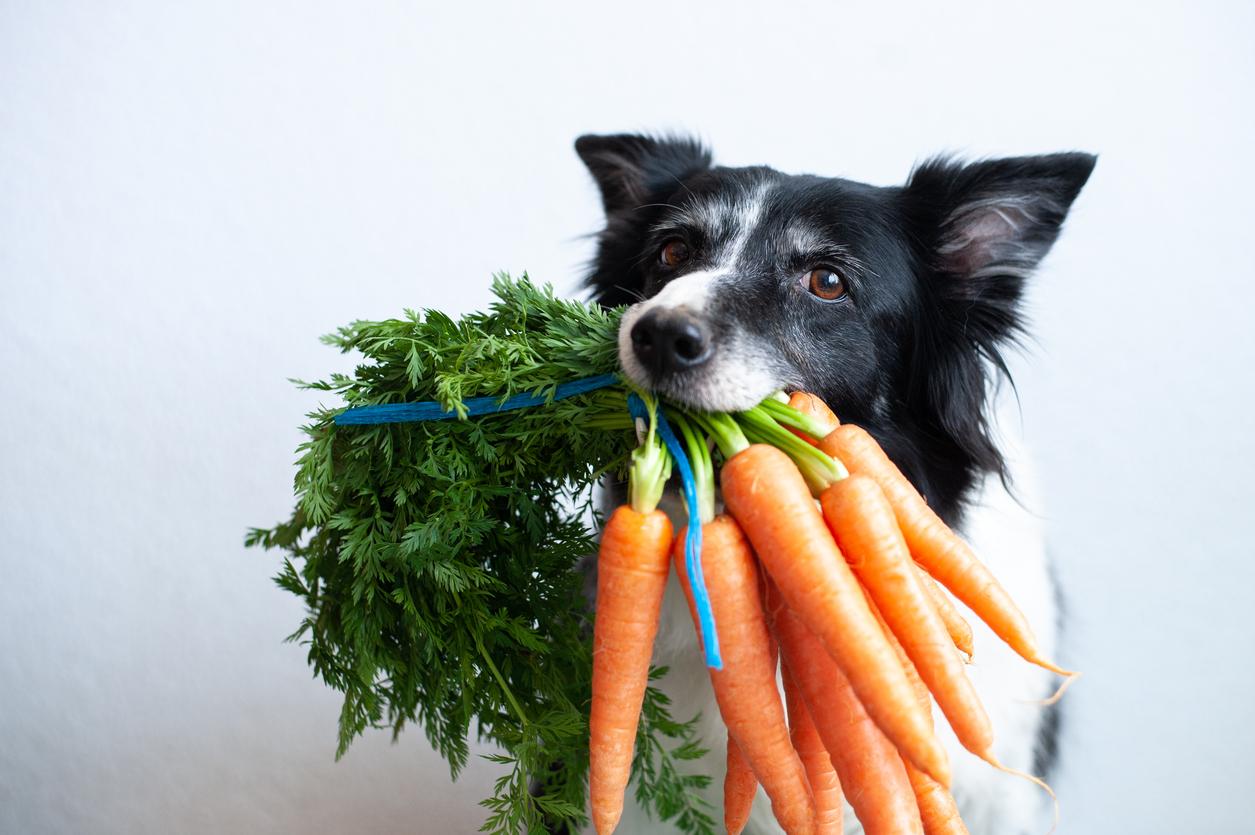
(722, 212)
(746, 217)
(1010, 539)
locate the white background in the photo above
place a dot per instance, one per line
(190, 194)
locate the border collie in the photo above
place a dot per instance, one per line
(894, 305)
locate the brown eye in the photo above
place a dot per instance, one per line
(674, 253)
(824, 284)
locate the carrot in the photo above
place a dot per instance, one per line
(740, 784)
(814, 406)
(867, 532)
(825, 787)
(937, 810)
(869, 767)
(739, 788)
(769, 497)
(937, 548)
(631, 576)
(960, 630)
(745, 689)
(810, 404)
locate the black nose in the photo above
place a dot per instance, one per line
(666, 341)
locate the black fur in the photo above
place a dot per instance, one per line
(935, 271)
(1046, 755)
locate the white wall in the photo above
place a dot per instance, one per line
(191, 193)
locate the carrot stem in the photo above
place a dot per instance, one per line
(724, 430)
(819, 469)
(703, 466)
(650, 465)
(789, 416)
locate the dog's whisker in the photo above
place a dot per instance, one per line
(631, 291)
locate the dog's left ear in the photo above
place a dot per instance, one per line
(982, 228)
(993, 218)
(632, 169)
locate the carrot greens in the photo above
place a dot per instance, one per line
(437, 561)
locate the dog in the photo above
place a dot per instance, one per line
(895, 305)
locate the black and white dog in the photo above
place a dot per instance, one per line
(893, 304)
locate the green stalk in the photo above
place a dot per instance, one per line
(505, 688)
(607, 410)
(789, 416)
(702, 464)
(724, 430)
(650, 465)
(819, 469)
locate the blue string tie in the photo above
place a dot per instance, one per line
(433, 410)
(693, 538)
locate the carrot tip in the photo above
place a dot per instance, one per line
(1054, 668)
(1058, 694)
(989, 757)
(606, 823)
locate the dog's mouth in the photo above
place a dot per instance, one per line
(705, 397)
(679, 356)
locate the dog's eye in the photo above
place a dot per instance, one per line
(825, 284)
(673, 253)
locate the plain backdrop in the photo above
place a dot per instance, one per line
(191, 193)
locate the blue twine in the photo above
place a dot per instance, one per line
(433, 410)
(693, 539)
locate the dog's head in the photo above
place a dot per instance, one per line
(891, 303)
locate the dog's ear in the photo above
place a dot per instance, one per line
(631, 169)
(982, 228)
(632, 172)
(997, 217)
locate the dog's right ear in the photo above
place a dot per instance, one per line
(631, 169)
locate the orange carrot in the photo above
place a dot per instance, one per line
(960, 630)
(867, 532)
(937, 548)
(745, 689)
(768, 496)
(631, 577)
(739, 788)
(825, 787)
(740, 784)
(937, 810)
(869, 767)
(812, 405)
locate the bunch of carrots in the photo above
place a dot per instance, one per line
(838, 597)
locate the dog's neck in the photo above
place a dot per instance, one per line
(941, 470)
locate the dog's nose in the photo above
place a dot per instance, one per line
(667, 341)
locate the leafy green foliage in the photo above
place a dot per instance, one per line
(655, 764)
(436, 560)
